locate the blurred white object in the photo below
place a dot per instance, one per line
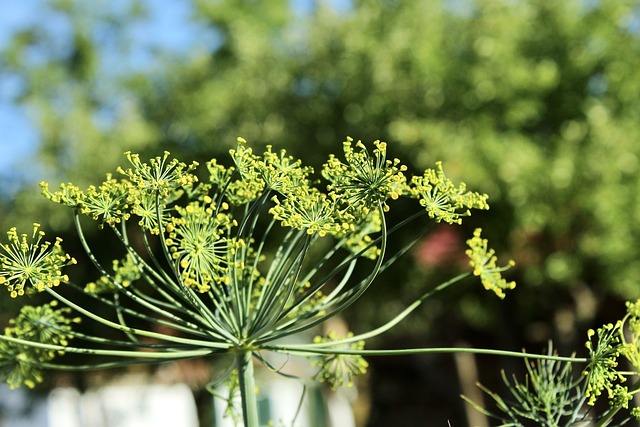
(152, 405)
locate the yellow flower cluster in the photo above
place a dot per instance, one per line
(109, 201)
(245, 160)
(200, 245)
(42, 324)
(608, 348)
(307, 209)
(31, 261)
(442, 200)
(338, 370)
(602, 373)
(483, 261)
(282, 173)
(159, 175)
(68, 195)
(148, 184)
(236, 191)
(125, 272)
(358, 235)
(364, 181)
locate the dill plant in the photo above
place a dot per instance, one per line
(555, 393)
(237, 263)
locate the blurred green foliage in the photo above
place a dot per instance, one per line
(533, 102)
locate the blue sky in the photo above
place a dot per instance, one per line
(165, 28)
(18, 136)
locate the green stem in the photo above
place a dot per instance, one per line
(246, 379)
(390, 324)
(303, 350)
(166, 355)
(144, 333)
(182, 324)
(142, 301)
(116, 303)
(342, 302)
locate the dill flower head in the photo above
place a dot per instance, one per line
(68, 195)
(219, 175)
(108, 201)
(159, 175)
(125, 272)
(633, 317)
(282, 173)
(602, 373)
(307, 209)
(239, 191)
(28, 260)
(16, 367)
(339, 370)
(483, 260)
(246, 162)
(620, 397)
(630, 334)
(365, 180)
(251, 183)
(200, 245)
(145, 206)
(44, 324)
(442, 200)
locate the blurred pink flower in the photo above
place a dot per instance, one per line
(442, 247)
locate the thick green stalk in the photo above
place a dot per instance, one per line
(247, 383)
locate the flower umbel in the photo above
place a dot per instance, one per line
(602, 373)
(68, 195)
(483, 261)
(159, 175)
(444, 201)
(125, 272)
(31, 261)
(630, 348)
(19, 363)
(146, 206)
(108, 201)
(199, 244)
(337, 369)
(246, 162)
(282, 173)
(365, 180)
(359, 238)
(307, 209)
